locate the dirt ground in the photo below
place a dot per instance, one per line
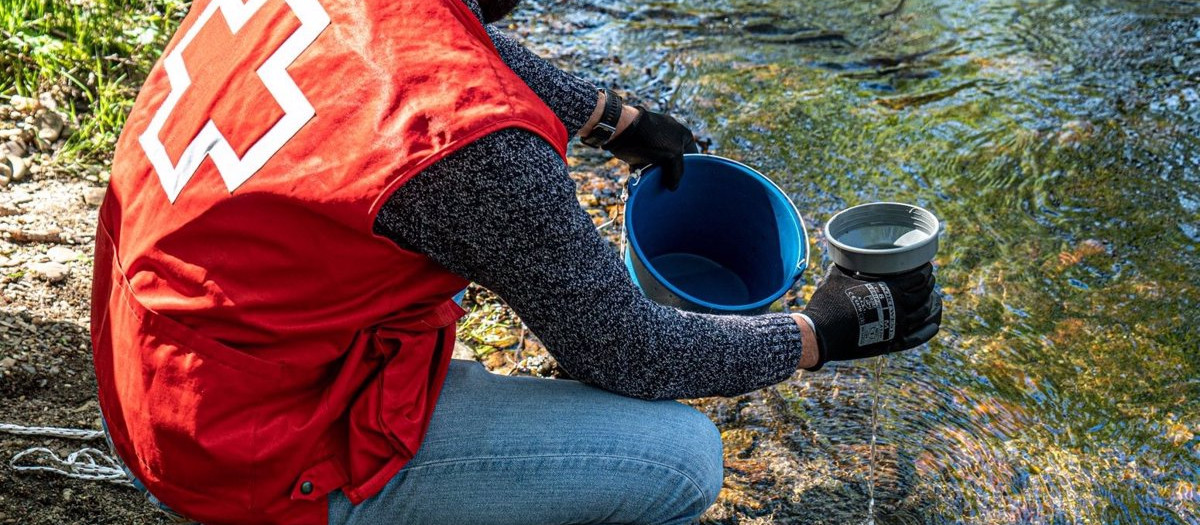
(46, 374)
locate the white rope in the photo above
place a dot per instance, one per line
(87, 463)
(66, 433)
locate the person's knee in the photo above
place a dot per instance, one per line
(699, 452)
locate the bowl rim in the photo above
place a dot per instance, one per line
(931, 238)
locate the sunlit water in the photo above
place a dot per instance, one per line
(1058, 143)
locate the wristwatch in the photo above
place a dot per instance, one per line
(604, 129)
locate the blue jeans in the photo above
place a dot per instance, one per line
(522, 450)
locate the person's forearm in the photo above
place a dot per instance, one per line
(508, 218)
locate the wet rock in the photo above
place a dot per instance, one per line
(52, 272)
(19, 167)
(94, 196)
(738, 442)
(62, 254)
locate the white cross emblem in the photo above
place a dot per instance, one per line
(273, 73)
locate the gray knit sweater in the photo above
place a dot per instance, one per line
(502, 212)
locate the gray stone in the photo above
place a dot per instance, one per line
(50, 126)
(62, 254)
(94, 196)
(50, 271)
(19, 167)
(14, 147)
(47, 101)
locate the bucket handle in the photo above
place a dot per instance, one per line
(630, 182)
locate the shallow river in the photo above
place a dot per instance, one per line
(1058, 142)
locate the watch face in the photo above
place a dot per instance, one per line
(599, 135)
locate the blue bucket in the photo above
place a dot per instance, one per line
(727, 241)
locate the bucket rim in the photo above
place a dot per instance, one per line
(798, 266)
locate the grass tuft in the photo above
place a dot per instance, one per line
(91, 56)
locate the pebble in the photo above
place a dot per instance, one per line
(94, 196)
(50, 126)
(5, 262)
(19, 167)
(50, 271)
(62, 254)
(7, 363)
(47, 101)
(14, 147)
(20, 103)
(18, 197)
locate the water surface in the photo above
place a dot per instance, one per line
(1058, 142)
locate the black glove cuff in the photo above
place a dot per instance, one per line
(604, 129)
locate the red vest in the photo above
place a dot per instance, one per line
(256, 345)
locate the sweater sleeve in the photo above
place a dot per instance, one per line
(502, 212)
(572, 99)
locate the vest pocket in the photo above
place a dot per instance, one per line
(193, 409)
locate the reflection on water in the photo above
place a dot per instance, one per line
(1058, 142)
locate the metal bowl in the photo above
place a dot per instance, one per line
(882, 238)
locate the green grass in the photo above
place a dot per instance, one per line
(91, 55)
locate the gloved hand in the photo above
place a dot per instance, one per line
(655, 138)
(857, 316)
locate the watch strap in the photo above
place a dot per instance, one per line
(607, 126)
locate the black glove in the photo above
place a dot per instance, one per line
(856, 316)
(655, 138)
